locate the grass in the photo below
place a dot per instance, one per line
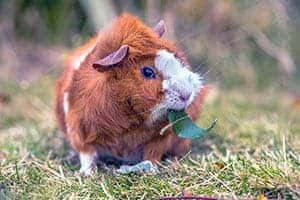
(255, 149)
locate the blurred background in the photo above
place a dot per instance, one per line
(236, 43)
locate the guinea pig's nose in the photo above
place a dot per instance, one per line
(184, 96)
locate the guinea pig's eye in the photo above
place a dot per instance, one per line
(148, 73)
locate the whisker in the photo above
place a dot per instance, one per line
(204, 74)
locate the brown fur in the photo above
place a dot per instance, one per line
(110, 110)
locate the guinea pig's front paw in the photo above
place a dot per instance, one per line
(88, 164)
(145, 166)
(86, 171)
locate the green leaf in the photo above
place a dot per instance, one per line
(184, 127)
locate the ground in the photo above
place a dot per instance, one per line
(254, 150)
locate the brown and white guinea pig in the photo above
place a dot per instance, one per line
(116, 89)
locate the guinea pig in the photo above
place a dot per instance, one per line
(115, 92)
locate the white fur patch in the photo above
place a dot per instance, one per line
(66, 108)
(68, 128)
(145, 166)
(77, 62)
(179, 84)
(87, 162)
(66, 102)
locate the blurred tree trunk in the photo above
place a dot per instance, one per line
(7, 53)
(99, 13)
(153, 12)
(170, 19)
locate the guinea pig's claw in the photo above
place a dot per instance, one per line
(145, 166)
(86, 172)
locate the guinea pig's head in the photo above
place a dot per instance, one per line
(147, 75)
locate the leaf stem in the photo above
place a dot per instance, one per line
(171, 124)
(212, 124)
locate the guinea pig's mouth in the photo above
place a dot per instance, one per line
(180, 85)
(180, 89)
(172, 101)
(178, 100)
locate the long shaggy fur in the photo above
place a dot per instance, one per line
(109, 111)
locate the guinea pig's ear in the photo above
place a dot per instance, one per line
(160, 28)
(112, 59)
